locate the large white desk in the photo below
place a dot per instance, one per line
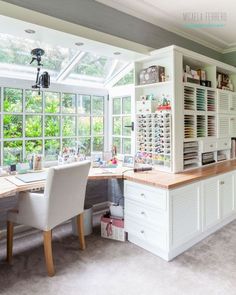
(10, 185)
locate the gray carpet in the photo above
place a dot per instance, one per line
(111, 268)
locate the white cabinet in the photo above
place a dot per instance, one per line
(223, 126)
(185, 213)
(226, 102)
(146, 217)
(168, 222)
(211, 202)
(226, 194)
(223, 101)
(232, 126)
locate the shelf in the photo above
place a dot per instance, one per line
(158, 84)
(198, 86)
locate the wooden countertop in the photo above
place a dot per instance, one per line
(10, 185)
(171, 181)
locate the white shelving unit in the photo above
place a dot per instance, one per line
(202, 116)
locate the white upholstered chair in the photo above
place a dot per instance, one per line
(63, 199)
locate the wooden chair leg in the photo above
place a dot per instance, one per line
(80, 230)
(10, 229)
(47, 237)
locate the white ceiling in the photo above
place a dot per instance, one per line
(52, 37)
(168, 14)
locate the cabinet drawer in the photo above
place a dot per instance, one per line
(146, 195)
(208, 146)
(223, 144)
(147, 234)
(145, 215)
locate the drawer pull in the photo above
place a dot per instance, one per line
(142, 195)
(231, 109)
(211, 145)
(222, 182)
(142, 231)
(143, 213)
(226, 143)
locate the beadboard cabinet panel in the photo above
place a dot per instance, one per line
(185, 214)
(211, 206)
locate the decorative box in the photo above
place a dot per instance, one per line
(152, 74)
(112, 228)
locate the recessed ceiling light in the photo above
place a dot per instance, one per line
(30, 31)
(117, 53)
(79, 43)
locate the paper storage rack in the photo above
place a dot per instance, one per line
(191, 155)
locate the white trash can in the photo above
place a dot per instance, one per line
(88, 221)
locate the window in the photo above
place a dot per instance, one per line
(126, 80)
(91, 123)
(121, 118)
(46, 123)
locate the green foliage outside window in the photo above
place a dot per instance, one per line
(33, 101)
(12, 126)
(68, 126)
(52, 149)
(52, 102)
(12, 152)
(68, 103)
(126, 80)
(33, 147)
(52, 126)
(33, 126)
(13, 99)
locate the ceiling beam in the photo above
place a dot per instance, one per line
(124, 70)
(67, 69)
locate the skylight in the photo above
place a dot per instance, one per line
(65, 65)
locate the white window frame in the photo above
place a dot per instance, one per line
(60, 88)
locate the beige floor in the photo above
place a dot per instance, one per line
(108, 267)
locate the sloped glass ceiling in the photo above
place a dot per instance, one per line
(15, 57)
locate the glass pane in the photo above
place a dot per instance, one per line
(52, 126)
(116, 142)
(52, 102)
(116, 106)
(33, 102)
(127, 105)
(97, 125)
(127, 79)
(126, 146)
(12, 126)
(33, 126)
(126, 130)
(12, 152)
(84, 105)
(13, 99)
(68, 103)
(93, 65)
(15, 56)
(69, 143)
(68, 126)
(33, 147)
(98, 105)
(52, 149)
(84, 126)
(98, 144)
(116, 126)
(84, 145)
